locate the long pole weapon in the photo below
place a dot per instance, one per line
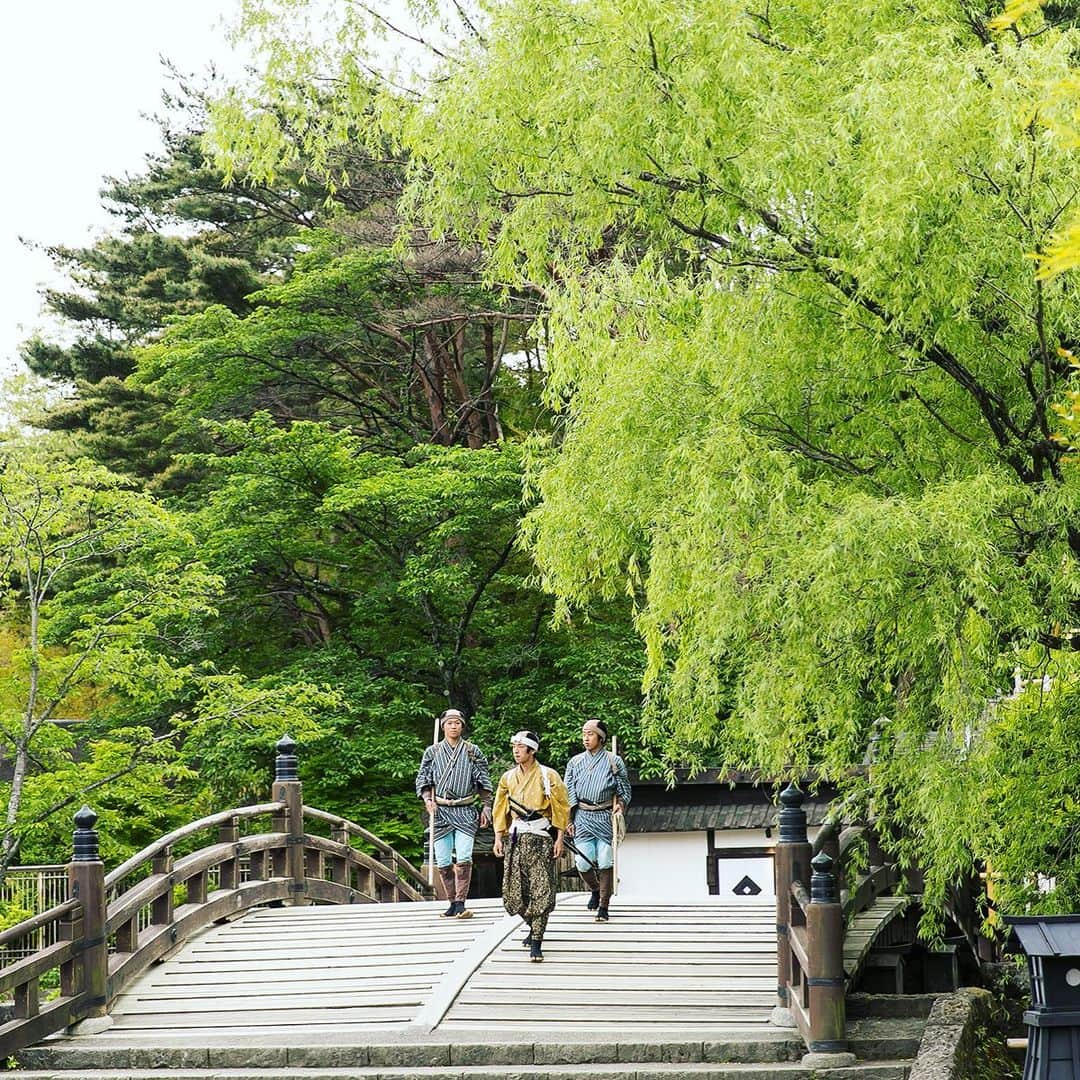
(614, 829)
(431, 820)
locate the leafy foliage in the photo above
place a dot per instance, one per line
(805, 368)
(330, 426)
(94, 579)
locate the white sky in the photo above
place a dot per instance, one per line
(76, 78)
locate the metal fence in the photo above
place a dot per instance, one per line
(31, 890)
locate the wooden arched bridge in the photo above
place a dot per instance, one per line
(309, 959)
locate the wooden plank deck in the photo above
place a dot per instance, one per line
(865, 927)
(369, 967)
(667, 966)
(400, 968)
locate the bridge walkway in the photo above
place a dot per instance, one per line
(280, 974)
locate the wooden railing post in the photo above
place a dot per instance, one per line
(340, 872)
(825, 980)
(388, 892)
(86, 883)
(287, 789)
(229, 873)
(161, 909)
(791, 863)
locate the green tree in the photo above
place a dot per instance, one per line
(94, 579)
(356, 338)
(806, 368)
(336, 419)
(182, 243)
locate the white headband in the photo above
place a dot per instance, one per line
(525, 739)
(451, 714)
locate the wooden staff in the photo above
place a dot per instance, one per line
(431, 819)
(614, 829)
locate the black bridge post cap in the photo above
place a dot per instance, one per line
(84, 840)
(823, 880)
(792, 816)
(286, 762)
(792, 796)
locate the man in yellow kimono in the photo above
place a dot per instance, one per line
(531, 805)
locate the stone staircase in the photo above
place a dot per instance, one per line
(884, 1034)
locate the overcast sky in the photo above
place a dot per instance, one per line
(77, 78)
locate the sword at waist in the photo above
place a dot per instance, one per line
(525, 813)
(535, 822)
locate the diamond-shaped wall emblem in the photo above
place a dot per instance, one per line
(747, 887)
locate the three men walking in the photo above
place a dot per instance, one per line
(534, 815)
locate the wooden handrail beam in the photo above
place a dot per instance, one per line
(36, 922)
(361, 833)
(799, 947)
(35, 965)
(800, 896)
(148, 852)
(149, 889)
(51, 1018)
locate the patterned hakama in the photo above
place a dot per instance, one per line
(529, 881)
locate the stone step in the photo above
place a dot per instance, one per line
(890, 1006)
(101, 1052)
(872, 1039)
(880, 1038)
(877, 1070)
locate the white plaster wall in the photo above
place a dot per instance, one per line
(671, 866)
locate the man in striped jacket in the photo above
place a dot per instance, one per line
(454, 777)
(599, 789)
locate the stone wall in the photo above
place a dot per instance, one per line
(964, 1040)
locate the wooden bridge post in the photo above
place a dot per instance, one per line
(388, 890)
(792, 863)
(86, 883)
(825, 980)
(288, 789)
(229, 873)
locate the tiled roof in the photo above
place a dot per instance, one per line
(719, 815)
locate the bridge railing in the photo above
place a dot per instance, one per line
(810, 935)
(811, 914)
(112, 927)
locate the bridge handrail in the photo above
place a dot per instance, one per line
(286, 865)
(810, 929)
(386, 873)
(130, 902)
(36, 922)
(29, 967)
(361, 833)
(193, 827)
(811, 915)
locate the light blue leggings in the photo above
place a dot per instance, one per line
(598, 850)
(454, 841)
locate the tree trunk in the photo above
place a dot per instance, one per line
(431, 381)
